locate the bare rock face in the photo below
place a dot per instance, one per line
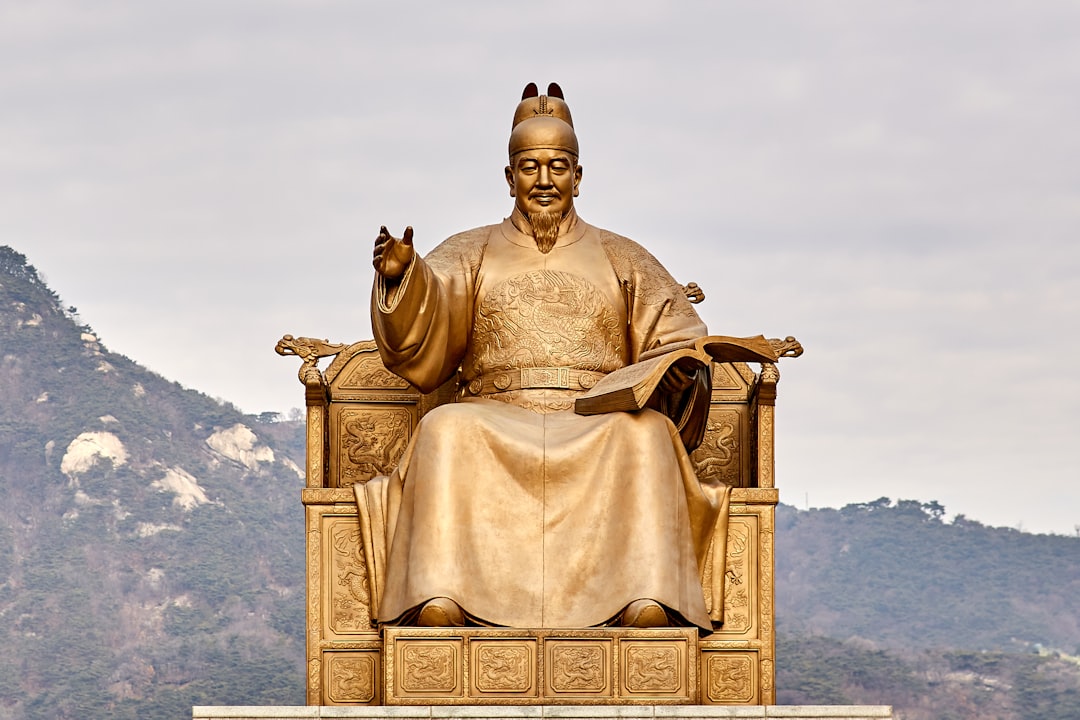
(88, 449)
(239, 443)
(188, 493)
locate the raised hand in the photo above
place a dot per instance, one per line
(393, 255)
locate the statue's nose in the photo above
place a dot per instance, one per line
(545, 176)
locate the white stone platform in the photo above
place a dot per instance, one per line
(525, 712)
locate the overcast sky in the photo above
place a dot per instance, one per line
(897, 184)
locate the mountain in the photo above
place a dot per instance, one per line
(939, 684)
(897, 574)
(152, 558)
(886, 603)
(151, 539)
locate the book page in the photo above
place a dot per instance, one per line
(626, 377)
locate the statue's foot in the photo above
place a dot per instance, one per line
(644, 613)
(441, 612)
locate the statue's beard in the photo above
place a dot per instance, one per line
(545, 227)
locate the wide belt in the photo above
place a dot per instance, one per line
(547, 378)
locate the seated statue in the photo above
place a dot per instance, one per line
(507, 507)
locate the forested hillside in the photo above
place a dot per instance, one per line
(151, 558)
(941, 684)
(151, 547)
(900, 576)
(886, 603)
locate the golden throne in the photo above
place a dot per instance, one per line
(360, 418)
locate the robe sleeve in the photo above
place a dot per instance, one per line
(658, 311)
(422, 328)
(660, 314)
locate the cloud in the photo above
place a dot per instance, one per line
(895, 184)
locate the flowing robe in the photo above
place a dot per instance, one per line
(523, 512)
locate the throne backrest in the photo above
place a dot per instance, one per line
(361, 417)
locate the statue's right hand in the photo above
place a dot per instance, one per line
(393, 255)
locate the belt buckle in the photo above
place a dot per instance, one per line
(545, 378)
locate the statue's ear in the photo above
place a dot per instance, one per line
(530, 91)
(510, 180)
(555, 91)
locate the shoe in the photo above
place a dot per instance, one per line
(644, 613)
(441, 612)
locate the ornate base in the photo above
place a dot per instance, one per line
(490, 666)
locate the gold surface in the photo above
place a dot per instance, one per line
(730, 678)
(315, 582)
(523, 512)
(333, 587)
(316, 446)
(370, 442)
(336, 624)
(495, 666)
(353, 677)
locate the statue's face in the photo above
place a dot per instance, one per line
(543, 181)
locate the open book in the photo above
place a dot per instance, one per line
(630, 388)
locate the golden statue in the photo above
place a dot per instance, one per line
(507, 507)
(473, 535)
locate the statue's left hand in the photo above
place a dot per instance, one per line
(677, 378)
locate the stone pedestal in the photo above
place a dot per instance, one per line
(525, 712)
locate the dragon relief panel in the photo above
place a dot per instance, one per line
(545, 318)
(372, 440)
(503, 667)
(730, 678)
(652, 668)
(577, 668)
(366, 371)
(429, 667)
(349, 594)
(352, 678)
(719, 458)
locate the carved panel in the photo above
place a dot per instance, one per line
(527, 666)
(314, 684)
(351, 677)
(721, 455)
(767, 691)
(765, 447)
(653, 668)
(768, 604)
(579, 667)
(739, 576)
(367, 371)
(368, 441)
(316, 437)
(756, 496)
(504, 667)
(349, 598)
(724, 377)
(314, 605)
(729, 678)
(429, 667)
